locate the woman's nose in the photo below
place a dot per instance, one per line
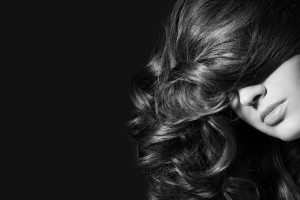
(252, 94)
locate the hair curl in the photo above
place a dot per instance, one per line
(190, 144)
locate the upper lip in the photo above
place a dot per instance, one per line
(269, 109)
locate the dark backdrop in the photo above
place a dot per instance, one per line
(133, 29)
(76, 62)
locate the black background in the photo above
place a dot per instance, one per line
(132, 28)
(78, 60)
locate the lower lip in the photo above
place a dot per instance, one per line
(276, 116)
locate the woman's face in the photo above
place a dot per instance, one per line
(273, 107)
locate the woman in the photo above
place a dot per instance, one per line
(218, 106)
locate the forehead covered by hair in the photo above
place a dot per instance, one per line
(241, 40)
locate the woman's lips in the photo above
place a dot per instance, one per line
(274, 113)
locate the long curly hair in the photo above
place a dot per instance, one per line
(190, 144)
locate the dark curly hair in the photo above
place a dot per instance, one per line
(190, 143)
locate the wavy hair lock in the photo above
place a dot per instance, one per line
(189, 143)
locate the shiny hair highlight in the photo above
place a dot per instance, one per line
(190, 143)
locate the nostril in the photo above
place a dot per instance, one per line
(255, 99)
(251, 95)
